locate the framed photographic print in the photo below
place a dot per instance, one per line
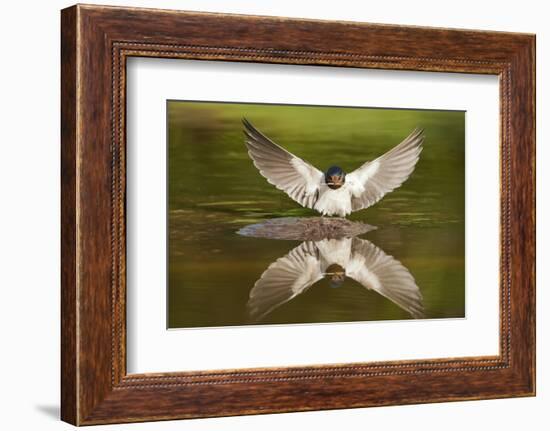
(264, 214)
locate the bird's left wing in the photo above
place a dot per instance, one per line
(296, 177)
(377, 271)
(370, 182)
(284, 279)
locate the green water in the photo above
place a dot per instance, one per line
(214, 190)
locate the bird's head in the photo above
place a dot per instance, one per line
(335, 177)
(336, 275)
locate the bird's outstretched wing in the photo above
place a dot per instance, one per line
(370, 182)
(380, 272)
(296, 177)
(284, 279)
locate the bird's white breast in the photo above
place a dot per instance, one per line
(334, 251)
(334, 201)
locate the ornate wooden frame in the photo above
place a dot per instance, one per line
(95, 43)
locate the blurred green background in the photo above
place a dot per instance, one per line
(214, 189)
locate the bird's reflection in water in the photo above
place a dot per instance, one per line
(335, 260)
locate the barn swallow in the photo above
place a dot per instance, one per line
(333, 193)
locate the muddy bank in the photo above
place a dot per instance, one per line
(306, 228)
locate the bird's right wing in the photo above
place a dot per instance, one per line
(376, 270)
(284, 279)
(296, 177)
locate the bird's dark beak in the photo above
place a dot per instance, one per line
(336, 275)
(336, 181)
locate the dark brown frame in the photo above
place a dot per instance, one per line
(95, 43)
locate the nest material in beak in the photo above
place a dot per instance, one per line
(336, 181)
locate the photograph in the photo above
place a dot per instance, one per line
(299, 214)
(275, 215)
